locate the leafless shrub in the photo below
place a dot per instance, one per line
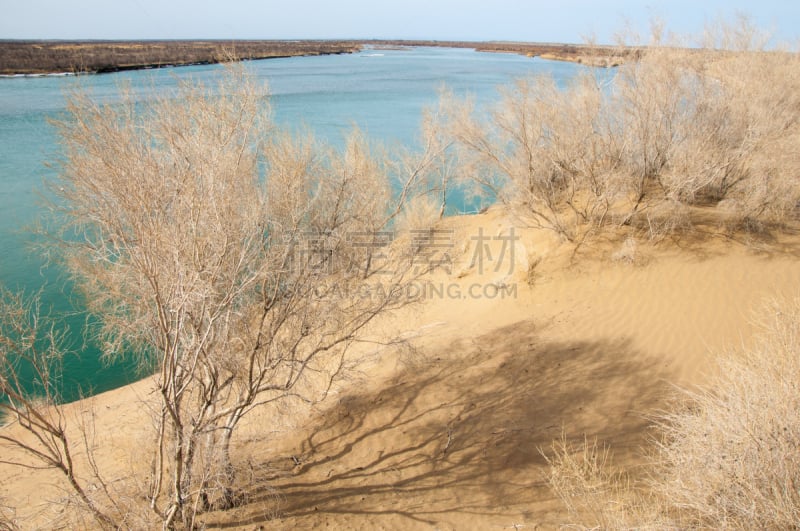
(743, 125)
(730, 456)
(676, 129)
(727, 457)
(227, 255)
(420, 215)
(438, 164)
(36, 436)
(540, 149)
(664, 218)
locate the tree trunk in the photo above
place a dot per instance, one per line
(229, 496)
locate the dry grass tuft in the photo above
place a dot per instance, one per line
(582, 476)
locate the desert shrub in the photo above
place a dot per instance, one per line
(737, 149)
(676, 129)
(727, 456)
(220, 250)
(547, 150)
(730, 456)
(34, 432)
(652, 101)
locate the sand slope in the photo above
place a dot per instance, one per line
(444, 431)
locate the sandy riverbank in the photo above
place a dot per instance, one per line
(444, 429)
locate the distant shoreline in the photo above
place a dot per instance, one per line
(591, 55)
(56, 57)
(98, 57)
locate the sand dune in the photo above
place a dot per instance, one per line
(444, 430)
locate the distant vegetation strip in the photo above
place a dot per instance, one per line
(49, 57)
(594, 55)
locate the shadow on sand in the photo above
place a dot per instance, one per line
(459, 432)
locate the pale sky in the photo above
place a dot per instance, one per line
(522, 20)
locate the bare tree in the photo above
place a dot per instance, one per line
(240, 263)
